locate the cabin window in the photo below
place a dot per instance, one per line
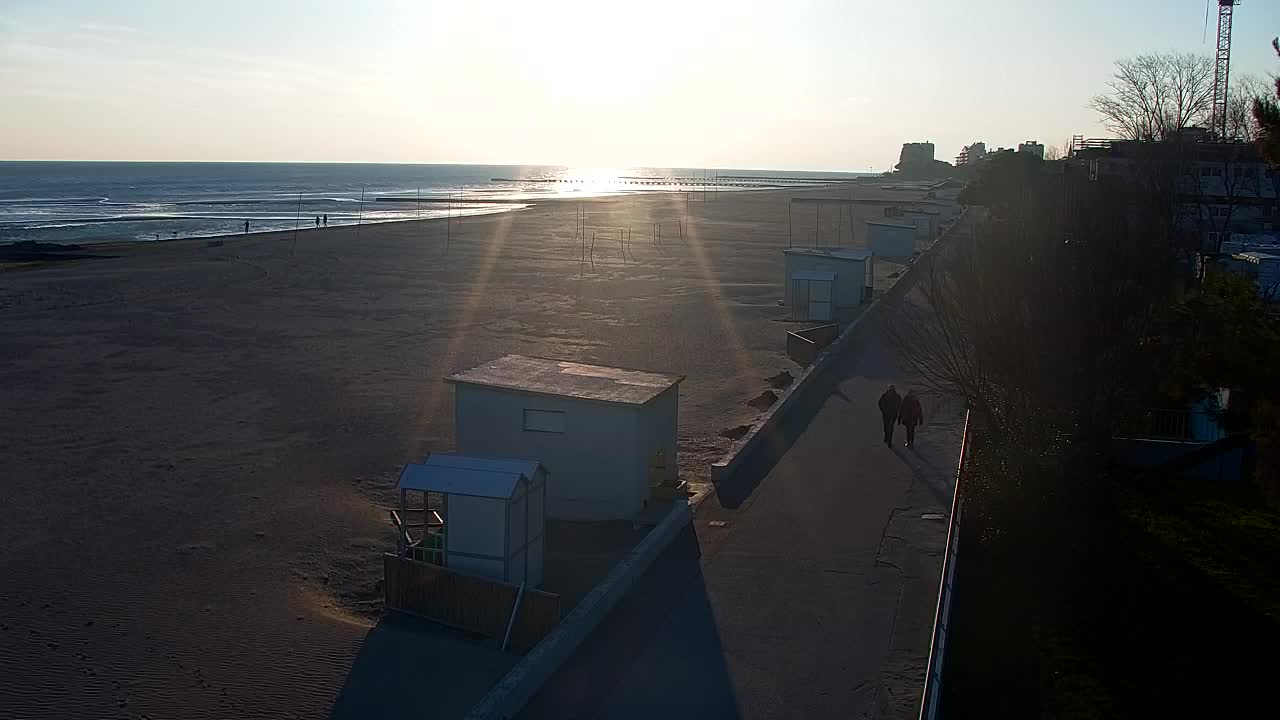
(549, 421)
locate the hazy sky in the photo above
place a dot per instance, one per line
(784, 84)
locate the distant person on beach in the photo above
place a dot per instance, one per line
(246, 227)
(910, 414)
(326, 219)
(317, 221)
(889, 405)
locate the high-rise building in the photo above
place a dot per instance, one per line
(1033, 147)
(972, 153)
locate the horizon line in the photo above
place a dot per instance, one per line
(412, 162)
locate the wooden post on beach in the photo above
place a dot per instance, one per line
(850, 209)
(296, 221)
(360, 213)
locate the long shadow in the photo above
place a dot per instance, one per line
(935, 480)
(735, 489)
(657, 654)
(411, 667)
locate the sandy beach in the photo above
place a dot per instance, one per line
(200, 441)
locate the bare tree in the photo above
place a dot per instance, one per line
(1051, 152)
(1042, 317)
(1155, 95)
(1240, 121)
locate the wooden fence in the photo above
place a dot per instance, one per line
(467, 602)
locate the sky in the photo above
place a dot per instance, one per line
(784, 85)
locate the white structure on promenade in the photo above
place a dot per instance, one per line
(824, 284)
(491, 518)
(891, 239)
(597, 430)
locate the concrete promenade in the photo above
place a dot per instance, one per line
(804, 589)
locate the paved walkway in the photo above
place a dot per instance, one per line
(815, 599)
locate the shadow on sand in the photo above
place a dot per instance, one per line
(412, 667)
(612, 675)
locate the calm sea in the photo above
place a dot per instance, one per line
(85, 202)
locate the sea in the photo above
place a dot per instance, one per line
(93, 202)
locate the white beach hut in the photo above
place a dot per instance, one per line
(597, 430)
(890, 239)
(926, 222)
(490, 517)
(825, 284)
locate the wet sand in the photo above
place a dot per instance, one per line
(200, 442)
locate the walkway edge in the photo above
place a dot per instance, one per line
(510, 695)
(765, 426)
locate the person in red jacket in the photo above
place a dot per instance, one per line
(910, 414)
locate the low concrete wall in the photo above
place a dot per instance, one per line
(771, 421)
(467, 602)
(804, 345)
(528, 676)
(1144, 453)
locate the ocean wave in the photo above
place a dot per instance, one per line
(53, 201)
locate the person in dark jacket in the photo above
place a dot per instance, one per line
(910, 414)
(889, 404)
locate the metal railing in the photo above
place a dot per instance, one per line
(1176, 425)
(931, 701)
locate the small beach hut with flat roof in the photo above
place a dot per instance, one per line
(596, 430)
(926, 222)
(825, 284)
(489, 516)
(891, 239)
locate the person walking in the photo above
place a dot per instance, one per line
(325, 218)
(889, 405)
(317, 221)
(246, 227)
(910, 414)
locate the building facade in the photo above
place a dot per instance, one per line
(1223, 189)
(972, 153)
(916, 154)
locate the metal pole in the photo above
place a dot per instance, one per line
(506, 639)
(296, 220)
(839, 223)
(360, 214)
